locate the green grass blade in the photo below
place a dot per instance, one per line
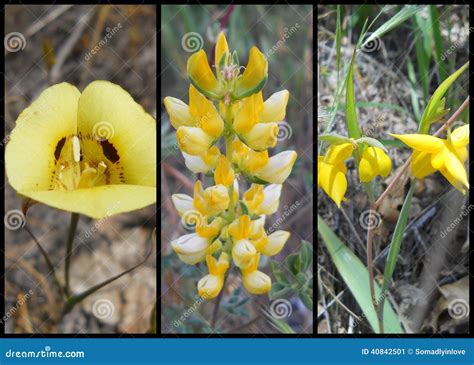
(397, 239)
(356, 277)
(433, 104)
(407, 12)
(338, 44)
(438, 41)
(421, 58)
(413, 93)
(351, 115)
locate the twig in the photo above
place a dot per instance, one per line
(76, 33)
(217, 305)
(177, 175)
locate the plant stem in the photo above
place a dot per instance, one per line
(48, 261)
(374, 206)
(228, 152)
(217, 305)
(70, 240)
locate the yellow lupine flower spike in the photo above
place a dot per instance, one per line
(374, 162)
(444, 155)
(92, 153)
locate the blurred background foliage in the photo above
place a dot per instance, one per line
(284, 34)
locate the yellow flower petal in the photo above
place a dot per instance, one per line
(240, 228)
(421, 142)
(456, 169)
(278, 168)
(183, 203)
(193, 140)
(224, 174)
(276, 242)
(274, 108)
(460, 136)
(222, 50)
(202, 77)
(30, 152)
(97, 202)
(178, 113)
(333, 181)
(218, 267)
(374, 162)
(107, 113)
(205, 113)
(261, 136)
(254, 77)
(210, 286)
(421, 164)
(248, 114)
(338, 153)
(243, 253)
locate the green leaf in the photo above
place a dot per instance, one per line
(372, 142)
(244, 208)
(293, 262)
(279, 290)
(334, 139)
(405, 13)
(397, 239)
(356, 277)
(307, 298)
(434, 14)
(351, 115)
(277, 273)
(434, 103)
(306, 255)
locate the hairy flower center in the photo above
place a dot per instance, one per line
(82, 162)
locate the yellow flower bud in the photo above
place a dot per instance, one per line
(224, 174)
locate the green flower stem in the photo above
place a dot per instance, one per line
(229, 135)
(70, 240)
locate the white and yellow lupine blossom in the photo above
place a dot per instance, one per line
(256, 122)
(92, 153)
(258, 167)
(225, 224)
(198, 125)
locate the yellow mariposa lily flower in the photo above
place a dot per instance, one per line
(332, 171)
(255, 281)
(198, 125)
(374, 162)
(228, 81)
(436, 154)
(92, 153)
(211, 285)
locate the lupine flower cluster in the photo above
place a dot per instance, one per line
(229, 227)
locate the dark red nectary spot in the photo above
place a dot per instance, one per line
(59, 148)
(109, 151)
